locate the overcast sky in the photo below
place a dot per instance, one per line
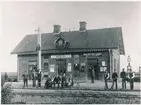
(22, 18)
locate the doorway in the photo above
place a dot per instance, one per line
(93, 64)
(61, 66)
(32, 65)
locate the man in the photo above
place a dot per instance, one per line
(39, 76)
(57, 81)
(131, 78)
(34, 78)
(63, 80)
(106, 77)
(114, 77)
(123, 77)
(25, 79)
(92, 75)
(48, 82)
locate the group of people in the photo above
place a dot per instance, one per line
(67, 80)
(63, 80)
(123, 76)
(36, 79)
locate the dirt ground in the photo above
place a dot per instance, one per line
(76, 97)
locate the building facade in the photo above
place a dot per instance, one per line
(72, 53)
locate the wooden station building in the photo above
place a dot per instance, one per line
(72, 52)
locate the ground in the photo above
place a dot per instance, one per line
(76, 97)
(83, 93)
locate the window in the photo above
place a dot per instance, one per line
(45, 66)
(103, 63)
(32, 65)
(60, 43)
(103, 67)
(52, 67)
(69, 67)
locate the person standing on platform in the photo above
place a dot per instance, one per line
(34, 78)
(123, 77)
(39, 76)
(106, 77)
(25, 79)
(92, 75)
(114, 77)
(63, 80)
(90, 70)
(131, 78)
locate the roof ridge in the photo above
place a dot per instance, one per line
(76, 30)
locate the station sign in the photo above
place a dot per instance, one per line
(60, 56)
(93, 54)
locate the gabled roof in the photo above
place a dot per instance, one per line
(106, 38)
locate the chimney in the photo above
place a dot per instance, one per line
(82, 26)
(56, 29)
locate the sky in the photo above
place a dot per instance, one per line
(21, 18)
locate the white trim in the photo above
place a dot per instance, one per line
(83, 30)
(56, 33)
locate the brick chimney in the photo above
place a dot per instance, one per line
(57, 29)
(82, 26)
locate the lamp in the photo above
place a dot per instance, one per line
(129, 66)
(128, 59)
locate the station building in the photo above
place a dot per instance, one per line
(72, 52)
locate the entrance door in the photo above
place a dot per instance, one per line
(61, 66)
(31, 65)
(93, 64)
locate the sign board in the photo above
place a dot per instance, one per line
(93, 54)
(60, 56)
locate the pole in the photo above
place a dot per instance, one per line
(39, 49)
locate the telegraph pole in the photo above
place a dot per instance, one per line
(38, 48)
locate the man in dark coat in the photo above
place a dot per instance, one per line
(123, 77)
(25, 79)
(39, 76)
(48, 82)
(92, 75)
(106, 77)
(34, 76)
(56, 81)
(63, 80)
(114, 77)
